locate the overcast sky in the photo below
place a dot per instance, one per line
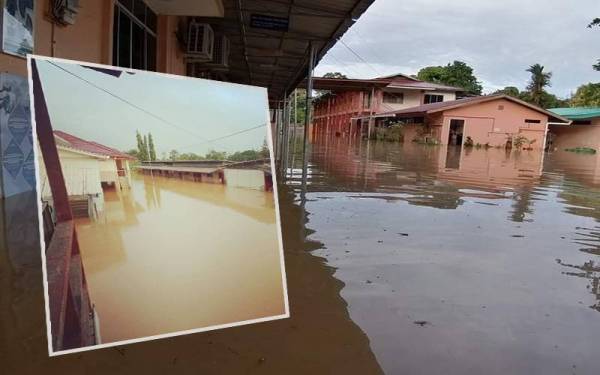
(498, 38)
(194, 110)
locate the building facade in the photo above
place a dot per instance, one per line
(583, 132)
(485, 121)
(348, 98)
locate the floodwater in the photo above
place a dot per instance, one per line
(463, 261)
(169, 255)
(406, 259)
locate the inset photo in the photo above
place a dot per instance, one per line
(157, 204)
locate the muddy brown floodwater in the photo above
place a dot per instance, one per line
(162, 257)
(407, 259)
(463, 261)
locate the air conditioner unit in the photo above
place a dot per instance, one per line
(64, 11)
(221, 52)
(200, 42)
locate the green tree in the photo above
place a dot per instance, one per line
(300, 106)
(587, 96)
(151, 147)
(434, 74)
(174, 155)
(141, 146)
(216, 155)
(133, 152)
(264, 150)
(334, 75)
(595, 22)
(457, 74)
(510, 91)
(539, 81)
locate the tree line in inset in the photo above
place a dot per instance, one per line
(146, 151)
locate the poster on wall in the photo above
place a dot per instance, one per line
(17, 27)
(16, 147)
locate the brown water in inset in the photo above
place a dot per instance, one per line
(170, 255)
(463, 261)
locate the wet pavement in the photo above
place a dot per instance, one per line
(412, 260)
(463, 261)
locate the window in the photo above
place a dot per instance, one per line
(582, 122)
(367, 99)
(430, 98)
(393, 98)
(530, 121)
(134, 35)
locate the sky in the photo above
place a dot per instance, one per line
(499, 39)
(181, 113)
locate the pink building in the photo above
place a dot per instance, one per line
(348, 98)
(493, 121)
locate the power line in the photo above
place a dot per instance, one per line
(226, 136)
(126, 101)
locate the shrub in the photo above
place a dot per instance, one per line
(469, 142)
(581, 150)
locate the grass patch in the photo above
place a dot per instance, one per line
(581, 150)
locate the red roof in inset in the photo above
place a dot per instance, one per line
(91, 147)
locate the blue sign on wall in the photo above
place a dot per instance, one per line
(261, 21)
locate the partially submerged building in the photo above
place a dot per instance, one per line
(251, 174)
(584, 130)
(348, 98)
(492, 120)
(88, 168)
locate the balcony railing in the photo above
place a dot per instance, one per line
(71, 313)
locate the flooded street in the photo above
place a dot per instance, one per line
(162, 257)
(463, 262)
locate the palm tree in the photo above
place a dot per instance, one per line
(539, 80)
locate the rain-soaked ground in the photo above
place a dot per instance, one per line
(413, 260)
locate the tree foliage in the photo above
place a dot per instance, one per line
(457, 74)
(595, 22)
(151, 148)
(537, 84)
(335, 75)
(547, 100)
(587, 96)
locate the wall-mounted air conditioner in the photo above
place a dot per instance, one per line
(65, 11)
(200, 41)
(221, 52)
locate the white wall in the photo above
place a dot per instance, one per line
(413, 98)
(245, 178)
(81, 173)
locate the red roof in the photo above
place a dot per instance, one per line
(91, 147)
(396, 81)
(442, 106)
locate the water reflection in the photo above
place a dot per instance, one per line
(159, 258)
(486, 259)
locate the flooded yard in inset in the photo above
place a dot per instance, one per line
(169, 255)
(463, 261)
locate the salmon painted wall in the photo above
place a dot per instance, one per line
(491, 122)
(575, 135)
(170, 57)
(87, 40)
(334, 113)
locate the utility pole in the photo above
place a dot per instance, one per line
(307, 119)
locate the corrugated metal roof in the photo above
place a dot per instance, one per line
(278, 60)
(77, 143)
(577, 113)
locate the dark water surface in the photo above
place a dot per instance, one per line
(407, 260)
(463, 261)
